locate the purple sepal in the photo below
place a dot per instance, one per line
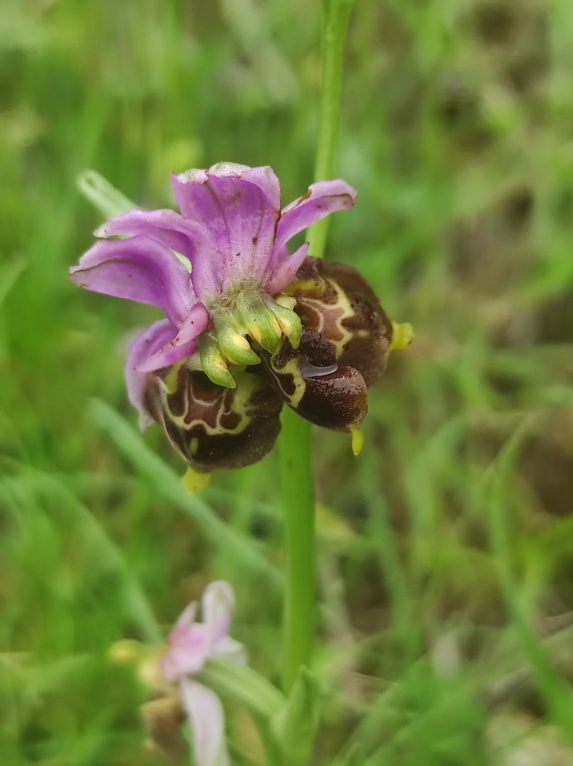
(138, 269)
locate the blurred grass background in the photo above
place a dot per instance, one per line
(446, 549)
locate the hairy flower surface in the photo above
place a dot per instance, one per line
(190, 645)
(209, 425)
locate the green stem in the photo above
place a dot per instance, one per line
(298, 500)
(335, 14)
(296, 464)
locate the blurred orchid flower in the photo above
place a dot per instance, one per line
(190, 645)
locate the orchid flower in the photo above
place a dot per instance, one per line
(248, 325)
(190, 645)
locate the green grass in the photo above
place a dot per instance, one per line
(446, 549)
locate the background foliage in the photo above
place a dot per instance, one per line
(446, 549)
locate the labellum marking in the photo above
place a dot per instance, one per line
(178, 405)
(293, 373)
(330, 314)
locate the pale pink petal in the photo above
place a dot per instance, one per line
(230, 649)
(185, 655)
(185, 622)
(207, 721)
(265, 178)
(218, 605)
(196, 322)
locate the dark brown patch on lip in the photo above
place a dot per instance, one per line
(333, 397)
(314, 348)
(286, 383)
(177, 401)
(337, 401)
(230, 420)
(207, 406)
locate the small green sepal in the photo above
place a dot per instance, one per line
(213, 362)
(288, 320)
(232, 343)
(259, 323)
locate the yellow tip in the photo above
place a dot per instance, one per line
(357, 441)
(195, 481)
(276, 326)
(286, 326)
(125, 651)
(286, 301)
(241, 342)
(220, 363)
(402, 335)
(255, 333)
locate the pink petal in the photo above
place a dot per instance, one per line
(285, 269)
(263, 176)
(138, 269)
(186, 654)
(184, 344)
(207, 721)
(240, 207)
(218, 605)
(321, 199)
(145, 345)
(166, 226)
(231, 650)
(185, 622)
